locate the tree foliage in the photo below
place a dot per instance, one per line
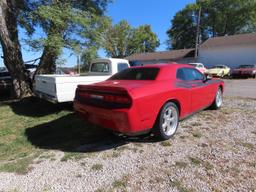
(122, 40)
(87, 56)
(73, 24)
(144, 40)
(218, 18)
(117, 38)
(183, 31)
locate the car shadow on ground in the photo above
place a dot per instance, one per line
(35, 107)
(71, 134)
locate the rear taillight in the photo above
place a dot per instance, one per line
(107, 99)
(84, 95)
(117, 99)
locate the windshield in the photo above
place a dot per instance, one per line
(100, 67)
(136, 74)
(246, 66)
(218, 67)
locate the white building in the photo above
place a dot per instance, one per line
(228, 50)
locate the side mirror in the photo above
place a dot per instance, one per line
(207, 78)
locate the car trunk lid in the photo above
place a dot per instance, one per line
(124, 84)
(108, 94)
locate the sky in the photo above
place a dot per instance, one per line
(157, 13)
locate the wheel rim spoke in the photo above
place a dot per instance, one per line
(219, 98)
(170, 121)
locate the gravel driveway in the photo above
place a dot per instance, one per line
(212, 151)
(245, 88)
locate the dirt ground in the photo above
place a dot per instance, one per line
(212, 151)
(245, 88)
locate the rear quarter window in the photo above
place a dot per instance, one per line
(136, 74)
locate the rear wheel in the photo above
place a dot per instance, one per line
(217, 103)
(167, 121)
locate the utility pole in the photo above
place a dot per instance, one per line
(198, 31)
(78, 63)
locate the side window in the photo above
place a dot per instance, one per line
(197, 75)
(189, 74)
(122, 66)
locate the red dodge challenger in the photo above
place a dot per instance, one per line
(148, 98)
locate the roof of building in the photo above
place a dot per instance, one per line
(230, 40)
(163, 55)
(173, 55)
(165, 65)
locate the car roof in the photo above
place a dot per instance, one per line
(220, 65)
(253, 65)
(165, 65)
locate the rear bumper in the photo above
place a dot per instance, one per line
(124, 121)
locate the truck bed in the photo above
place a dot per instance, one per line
(61, 88)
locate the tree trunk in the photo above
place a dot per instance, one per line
(47, 64)
(11, 49)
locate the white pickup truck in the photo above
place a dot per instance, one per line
(61, 88)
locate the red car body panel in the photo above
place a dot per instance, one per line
(146, 98)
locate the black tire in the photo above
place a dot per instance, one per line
(160, 129)
(217, 103)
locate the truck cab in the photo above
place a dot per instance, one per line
(61, 88)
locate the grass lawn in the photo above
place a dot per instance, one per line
(31, 127)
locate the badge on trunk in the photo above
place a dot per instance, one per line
(97, 96)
